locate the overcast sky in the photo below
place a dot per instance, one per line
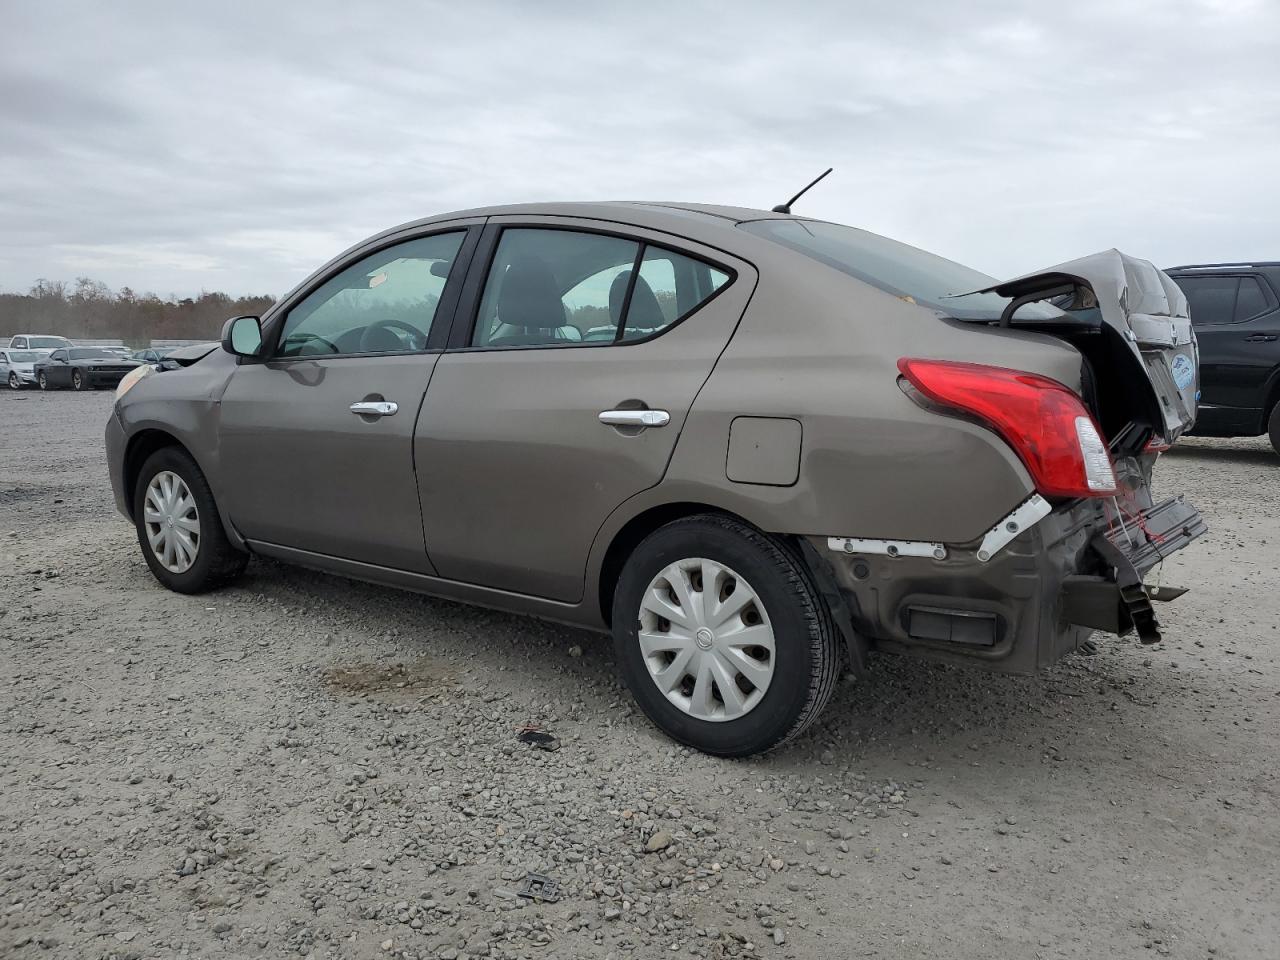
(236, 146)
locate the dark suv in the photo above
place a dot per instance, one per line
(1236, 312)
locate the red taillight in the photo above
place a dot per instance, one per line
(1044, 421)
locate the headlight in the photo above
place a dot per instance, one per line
(132, 377)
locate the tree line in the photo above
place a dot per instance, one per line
(89, 309)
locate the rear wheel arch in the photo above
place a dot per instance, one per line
(1273, 399)
(631, 533)
(629, 537)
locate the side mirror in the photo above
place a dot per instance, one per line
(242, 336)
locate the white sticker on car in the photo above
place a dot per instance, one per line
(1184, 371)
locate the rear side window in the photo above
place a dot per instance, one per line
(670, 286)
(1224, 299)
(1211, 299)
(1250, 300)
(568, 288)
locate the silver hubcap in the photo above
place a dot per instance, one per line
(706, 640)
(172, 521)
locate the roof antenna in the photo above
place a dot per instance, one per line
(786, 207)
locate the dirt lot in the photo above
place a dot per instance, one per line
(301, 765)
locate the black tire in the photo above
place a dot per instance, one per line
(77, 380)
(14, 382)
(43, 381)
(217, 562)
(807, 654)
(1273, 428)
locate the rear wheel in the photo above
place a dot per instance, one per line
(1273, 428)
(77, 380)
(722, 637)
(178, 526)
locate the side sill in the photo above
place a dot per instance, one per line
(575, 615)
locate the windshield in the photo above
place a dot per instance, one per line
(47, 343)
(904, 271)
(23, 356)
(90, 353)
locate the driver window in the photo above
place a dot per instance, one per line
(384, 303)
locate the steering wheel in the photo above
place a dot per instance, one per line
(297, 339)
(417, 339)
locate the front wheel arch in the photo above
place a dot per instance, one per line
(141, 446)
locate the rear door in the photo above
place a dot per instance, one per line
(317, 441)
(574, 360)
(1237, 322)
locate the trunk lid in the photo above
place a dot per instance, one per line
(1141, 305)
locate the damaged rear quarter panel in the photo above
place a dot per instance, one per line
(823, 349)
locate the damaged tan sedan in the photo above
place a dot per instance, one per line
(755, 447)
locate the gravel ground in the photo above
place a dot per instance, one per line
(300, 765)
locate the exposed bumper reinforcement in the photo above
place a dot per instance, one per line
(1131, 550)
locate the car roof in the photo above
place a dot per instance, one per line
(697, 221)
(1243, 265)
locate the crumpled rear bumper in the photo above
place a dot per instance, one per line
(1118, 601)
(1039, 596)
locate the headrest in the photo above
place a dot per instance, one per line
(645, 313)
(529, 297)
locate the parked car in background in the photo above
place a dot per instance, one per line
(119, 351)
(17, 367)
(798, 443)
(1235, 308)
(81, 368)
(42, 343)
(152, 354)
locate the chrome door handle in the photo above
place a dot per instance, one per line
(374, 408)
(635, 418)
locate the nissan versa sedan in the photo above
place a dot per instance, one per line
(755, 447)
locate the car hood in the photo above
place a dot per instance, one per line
(1144, 306)
(185, 356)
(107, 362)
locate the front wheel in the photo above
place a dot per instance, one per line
(15, 382)
(1273, 428)
(77, 380)
(43, 381)
(178, 526)
(722, 636)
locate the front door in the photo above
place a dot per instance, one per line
(57, 372)
(316, 442)
(578, 357)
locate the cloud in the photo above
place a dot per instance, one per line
(240, 145)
